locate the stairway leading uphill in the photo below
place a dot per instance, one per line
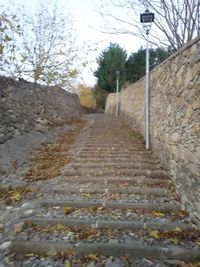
(114, 205)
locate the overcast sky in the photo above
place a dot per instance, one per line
(88, 23)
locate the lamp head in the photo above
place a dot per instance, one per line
(117, 73)
(147, 17)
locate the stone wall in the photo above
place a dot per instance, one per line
(25, 106)
(175, 118)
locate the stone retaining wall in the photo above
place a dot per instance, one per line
(175, 118)
(25, 106)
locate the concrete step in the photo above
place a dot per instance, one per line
(120, 151)
(107, 190)
(136, 250)
(120, 140)
(110, 204)
(115, 154)
(115, 160)
(119, 224)
(111, 147)
(123, 181)
(104, 173)
(117, 198)
(131, 165)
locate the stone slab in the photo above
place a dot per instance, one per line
(119, 224)
(111, 204)
(138, 250)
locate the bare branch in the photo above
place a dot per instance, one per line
(176, 20)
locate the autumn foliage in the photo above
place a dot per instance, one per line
(87, 98)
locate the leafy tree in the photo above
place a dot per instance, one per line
(45, 51)
(86, 97)
(9, 31)
(136, 63)
(112, 59)
(48, 49)
(176, 21)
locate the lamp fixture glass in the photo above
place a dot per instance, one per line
(147, 17)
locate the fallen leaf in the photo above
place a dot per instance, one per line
(70, 234)
(67, 264)
(178, 230)
(102, 208)
(68, 210)
(51, 253)
(90, 264)
(15, 196)
(29, 255)
(154, 234)
(93, 257)
(59, 227)
(174, 240)
(19, 227)
(87, 195)
(159, 214)
(11, 195)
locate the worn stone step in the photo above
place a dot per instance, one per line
(96, 235)
(119, 224)
(138, 152)
(127, 165)
(65, 195)
(115, 160)
(110, 144)
(111, 204)
(113, 148)
(138, 250)
(120, 152)
(123, 181)
(136, 190)
(112, 141)
(103, 155)
(109, 213)
(112, 172)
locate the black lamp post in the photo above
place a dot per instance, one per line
(147, 18)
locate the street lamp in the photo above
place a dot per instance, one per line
(117, 94)
(147, 18)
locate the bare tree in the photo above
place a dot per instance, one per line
(46, 51)
(175, 24)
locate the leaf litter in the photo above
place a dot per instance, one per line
(71, 258)
(48, 161)
(116, 212)
(176, 236)
(12, 195)
(70, 232)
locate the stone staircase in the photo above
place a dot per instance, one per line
(114, 205)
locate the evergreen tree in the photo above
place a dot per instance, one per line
(111, 60)
(136, 63)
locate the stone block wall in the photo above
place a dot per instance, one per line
(25, 106)
(174, 118)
